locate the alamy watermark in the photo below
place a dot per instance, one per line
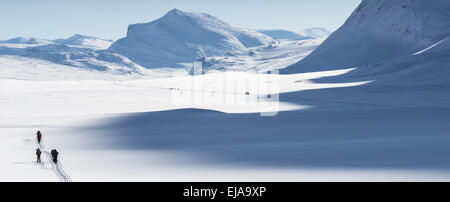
(249, 91)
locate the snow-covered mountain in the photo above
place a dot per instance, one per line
(77, 51)
(380, 30)
(315, 33)
(76, 41)
(180, 37)
(280, 34)
(309, 33)
(82, 41)
(26, 40)
(175, 40)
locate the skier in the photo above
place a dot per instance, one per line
(55, 155)
(38, 154)
(39, 136)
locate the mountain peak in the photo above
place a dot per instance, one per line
(178, 13)
(175, 11)
(78, 37)
(181, 37)
(21, 38)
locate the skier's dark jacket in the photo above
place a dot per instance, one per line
(54, 152)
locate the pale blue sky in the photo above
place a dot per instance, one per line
(109, 19)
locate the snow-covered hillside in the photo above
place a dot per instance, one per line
(82, 41)
(181, 37)
(381, 30)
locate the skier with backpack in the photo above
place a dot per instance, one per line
(55, 156)
(38, 154)
(39, 136)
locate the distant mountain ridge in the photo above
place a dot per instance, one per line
(26, 40)
(78, 51)
(181, 37)
(315, 32)
(175, 40)
(309, 33)
(76, 40)
(280, 34)
(85, 41)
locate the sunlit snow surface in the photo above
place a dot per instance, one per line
(122, 129)
(65, 110)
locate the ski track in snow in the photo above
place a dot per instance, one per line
(57, 168)
(432, 46)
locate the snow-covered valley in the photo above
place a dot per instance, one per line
(131, 130)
